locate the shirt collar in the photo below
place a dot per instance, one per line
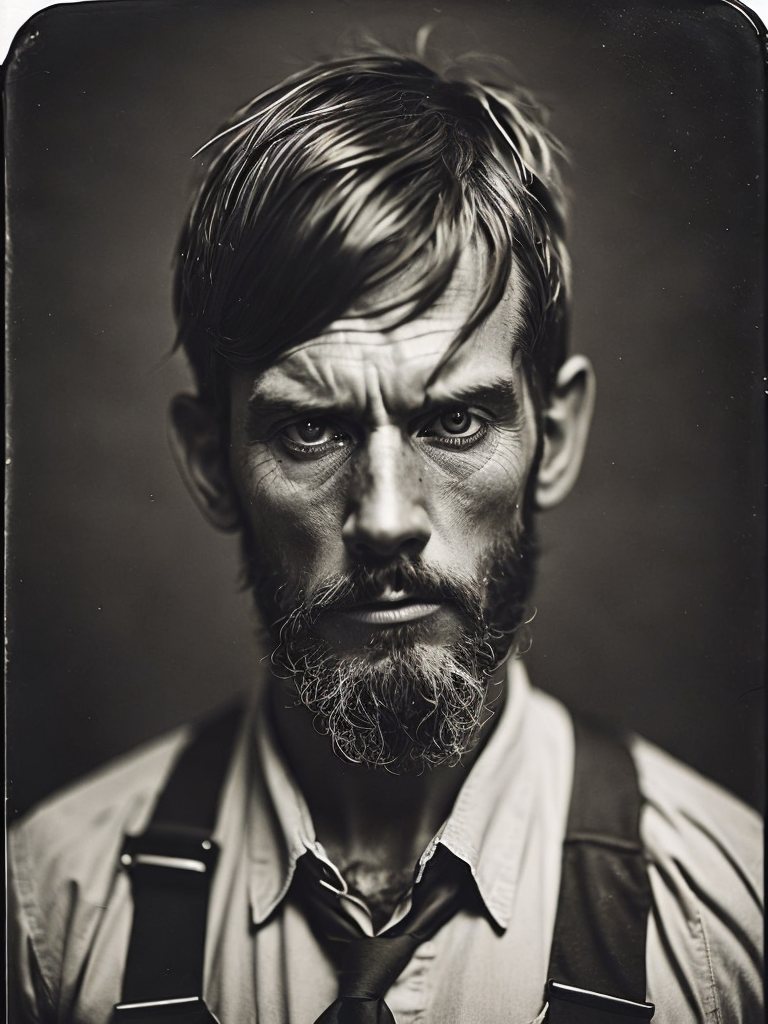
(279, 827)
(487, 827)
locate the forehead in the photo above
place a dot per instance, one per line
(359, 360)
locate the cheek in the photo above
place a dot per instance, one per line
(457, 466)
(474, 512)
(295, 522)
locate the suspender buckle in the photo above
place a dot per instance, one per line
(571, 1005)
(187, 1010)
(181, 850)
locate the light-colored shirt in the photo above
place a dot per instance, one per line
(72, 904)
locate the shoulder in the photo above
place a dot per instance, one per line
(704, 852)
(62, 861)
(67, 833)
(683, 801)
(691, 822)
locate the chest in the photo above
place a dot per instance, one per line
(469, 971)
(380, 888)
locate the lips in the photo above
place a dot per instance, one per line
(392, 608)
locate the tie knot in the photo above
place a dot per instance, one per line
(371, 965)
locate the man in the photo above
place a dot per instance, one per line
(372, 291)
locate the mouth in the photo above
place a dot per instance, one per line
(392, 608)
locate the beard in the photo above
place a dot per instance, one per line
(401, 702)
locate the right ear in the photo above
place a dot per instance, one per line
(195, 436)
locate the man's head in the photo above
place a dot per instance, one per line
(372, 292)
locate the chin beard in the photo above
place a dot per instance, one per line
(400, 703)
(417, 707)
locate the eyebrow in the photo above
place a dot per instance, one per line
(501, 390)
(264, 407)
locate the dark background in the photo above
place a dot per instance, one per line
(123, 614)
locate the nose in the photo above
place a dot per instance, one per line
(387, 517)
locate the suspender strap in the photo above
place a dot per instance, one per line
(171, 866)
(597, 962)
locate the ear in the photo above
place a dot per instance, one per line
(195, 436)
(566, 428)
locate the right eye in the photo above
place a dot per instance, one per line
(313, 437)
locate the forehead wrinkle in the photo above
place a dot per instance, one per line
(312, 382)
(472, 369)
(310, 377)
(315, 369)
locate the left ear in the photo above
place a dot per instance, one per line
(566, 428)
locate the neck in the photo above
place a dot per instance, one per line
(366, 816)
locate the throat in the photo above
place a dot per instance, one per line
(381, 889)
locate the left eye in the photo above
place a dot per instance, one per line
(456, 428)
(313, 436)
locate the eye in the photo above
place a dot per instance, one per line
(313, 437)
(458, 421)
(455, 428)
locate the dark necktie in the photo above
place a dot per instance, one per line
(369, 965)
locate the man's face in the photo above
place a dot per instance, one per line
(383, 494)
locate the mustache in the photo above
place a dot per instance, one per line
(366, 584)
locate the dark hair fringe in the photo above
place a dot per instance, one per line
(355, 174)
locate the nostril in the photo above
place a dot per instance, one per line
(367, 535)
(413, 547)
(381, 549)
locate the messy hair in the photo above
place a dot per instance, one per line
(324, 190)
